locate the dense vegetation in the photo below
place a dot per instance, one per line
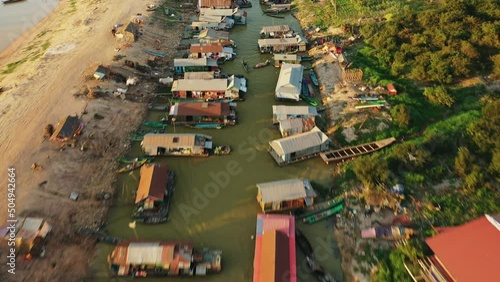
(449, 161)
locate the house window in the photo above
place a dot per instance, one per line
(176, 140)
(292, 155)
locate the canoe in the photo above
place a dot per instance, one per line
(132, 166)
(205, 126)
(303, 243)
(222, 150)
(306, 58)
(370, 104)
(323, 215)
(154, 124)
(309, 100)
(125, 160)
(305, 89)
(274, 16)
(157, 54)
(261, 65)
(245, 65)
(321, 207)
(314, 78)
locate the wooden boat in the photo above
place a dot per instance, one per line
(388, 233)
(370, 104)
(323, 215)
(309, 100)
(157, 54)
(364, 97)
(154, 124)
(245, 65)
(355, 151)
(320, 207)
(11, 1)
(303, 243)
(261, 65)
(132, 166)
(205, 126)
(158, 107)
(305, 89)
(311, 87)
(306, 58)
(314, 78)
(222, 150)
(125, 160)
(245, 4)
(275, 16)
(135, 137)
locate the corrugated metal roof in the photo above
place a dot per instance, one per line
(217, 12)
(287, 124)
(470, 252)
(288, 57)
(199, 75)
(219, 84)
(153, 182)
(299, 142)
(171, 140)
(215, 3)
(214, 34)
(210, 18)
(195, 62)
(277, 42)
(275, 28)
(206, 24)
(279, 110)
(201, 109)
(283, 190)
(208, 48)
(290, 81)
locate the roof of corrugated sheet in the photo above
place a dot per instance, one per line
(278, 42)
(217, 12)
(294, 110)
(470, 252)
(294, 123)
(275, 28)
(208, 48)
(27, 228)
(153, 182)
(167, 140)
(290, 79)
(191, 62)
(210, 19)
(219, 84)
(283, 190)
(201, 109)
(67, 127)
(290, 57)
(285, 226)
(299, 142)
(215, 3)
(199, 75)
(275, 258)
(211, 33)
(139, 253)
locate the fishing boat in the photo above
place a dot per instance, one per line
(222, 150)
(205, 126)
(322, 215)
(125, 160)
(154, 124)
(275, 16)
(314, 78)
(320, 207)
(370, 104)
(309, 100)
(261, 65)
(245, 4)
(132, 166)
(11, 1)
(306, 58)
(135, 137)
(157, 54)
(303, 243)
(305, 89)
(311, 87)
(158, 107)
(245, 65)
(364, 97)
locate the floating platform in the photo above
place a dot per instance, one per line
(355, 151)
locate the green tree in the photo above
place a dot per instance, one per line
(485, 131)
(496, 66)
(439, 95)
(401, 114)
(464, 162)
(371, 170)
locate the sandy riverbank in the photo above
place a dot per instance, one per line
(53, 60)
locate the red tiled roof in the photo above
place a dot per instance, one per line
(470, 252)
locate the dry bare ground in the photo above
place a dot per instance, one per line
(41, 91)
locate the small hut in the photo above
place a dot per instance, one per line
(128, 33)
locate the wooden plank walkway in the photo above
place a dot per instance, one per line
(355, 151)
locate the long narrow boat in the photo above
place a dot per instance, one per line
(355, 151)
(154, 124)
(370, 104)
(157, 54)
(132, 166)
(320, 207)
(305, 88)
(311, 87)
(303, 243)
(261, 65)
(306, 58)
(205, 126)
(11, 1)
(314, 78)
(323, 215)
(274, 16)
(309, 100)
(125, 160)
(136, 137)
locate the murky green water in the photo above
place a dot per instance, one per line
(214, 201)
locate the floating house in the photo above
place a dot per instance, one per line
(281, 112)
(212, 23)
(203, 113)
(200, 88)
(289, 127)
(67, 129)
(289, 85)
(213, 51)
(465, 253)
(285, 195)
(280, 59)
(150, 259)
(154, 193)
(238, 16)
(275, 250)
(30, 235)
(298, 147)
(276, 31)
(210, 35)
(283, 45)
(237, 87)
(180, 144)
(195, 65)
(214, 4)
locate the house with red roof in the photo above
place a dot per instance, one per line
(465, 253)
(275, 252)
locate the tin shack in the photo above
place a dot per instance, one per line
(203, 113)
(285, 195)
(177, 144)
